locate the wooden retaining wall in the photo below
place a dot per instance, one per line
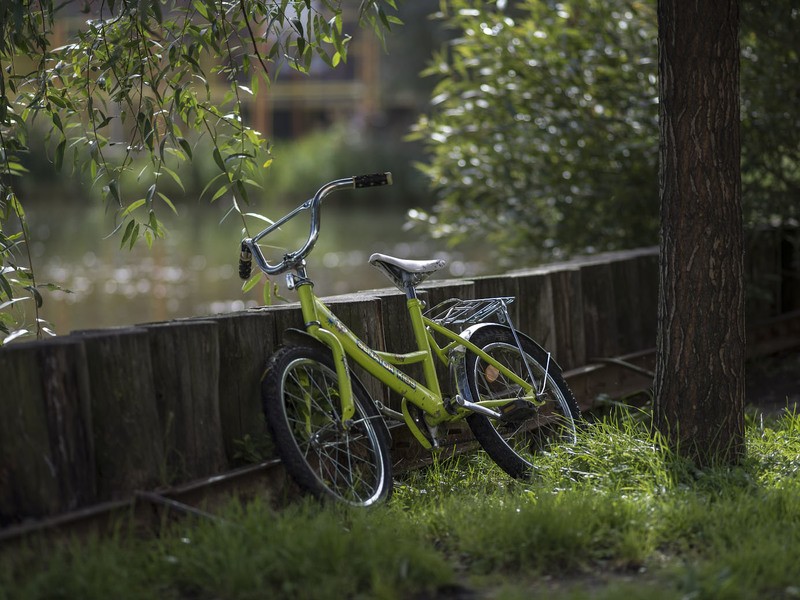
(95, 415)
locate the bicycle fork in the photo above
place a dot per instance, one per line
(314, 328)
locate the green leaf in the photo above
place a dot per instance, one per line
(113, 188)
(16, 206)
(15, 335)
(133, 206)
(6, 287)
(168, 202)
(252, 282)
(37, 296)
(186, 147)
(155, 6)
(134, 236)
(266, 293)
(151, 191)
(260, 217)
(242, 191)
(59, 157)
(128, 233)
(223, 189)
(7, 304)
(174, 176)
(218, 159)
(52, 287)
(211, 183)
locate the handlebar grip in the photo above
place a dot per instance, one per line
(373, 180)
(245, 262)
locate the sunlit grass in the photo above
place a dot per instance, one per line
(615, 515)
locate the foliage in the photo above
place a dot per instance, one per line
(541, 111)
(770, 90)
(132, 79)
(543, 132)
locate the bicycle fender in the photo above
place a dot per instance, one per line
(458, 367)
(470, 331)
(297, 337)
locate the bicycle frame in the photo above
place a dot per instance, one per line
(332, 435)
(323, 325)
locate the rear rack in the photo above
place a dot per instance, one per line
(457, 312)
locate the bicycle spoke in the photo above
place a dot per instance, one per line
(347, 463)
(552, 419)
(343, 468)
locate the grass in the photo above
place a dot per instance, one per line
(614, 516)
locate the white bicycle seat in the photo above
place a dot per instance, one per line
(404, 272)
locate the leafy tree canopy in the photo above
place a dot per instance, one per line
(114, 80)
(770, 96)
(543, 132)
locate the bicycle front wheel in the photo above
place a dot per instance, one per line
(513, 441)
(300, 393)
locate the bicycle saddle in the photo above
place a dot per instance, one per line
(406, 272)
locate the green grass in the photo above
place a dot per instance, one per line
(614, 516)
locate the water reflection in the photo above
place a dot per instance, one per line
(193, 271)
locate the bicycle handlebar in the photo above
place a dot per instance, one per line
(250, 248)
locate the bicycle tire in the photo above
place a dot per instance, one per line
(300, 394)
(512, 444)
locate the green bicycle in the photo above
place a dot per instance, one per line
(332, 436)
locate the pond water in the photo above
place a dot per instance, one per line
(193, 271)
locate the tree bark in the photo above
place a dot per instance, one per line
(699, 385)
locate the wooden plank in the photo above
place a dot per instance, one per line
(246, 341)
(599, 310)
(501, 286)
(46, 446)
(535, 308)
(284, 316)
(186, 363)
(434, 292)
(497, 286)
(129, 449)
(647, 293)
(568, 317)
(627, 290)
(397, 333)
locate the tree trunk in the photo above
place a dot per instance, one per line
(699, 385)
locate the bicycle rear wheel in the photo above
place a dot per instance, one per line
(300, 394)
(513, 442)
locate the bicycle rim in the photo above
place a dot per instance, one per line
(347, 463)
(512, 443)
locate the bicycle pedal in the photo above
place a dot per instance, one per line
(517, 410)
